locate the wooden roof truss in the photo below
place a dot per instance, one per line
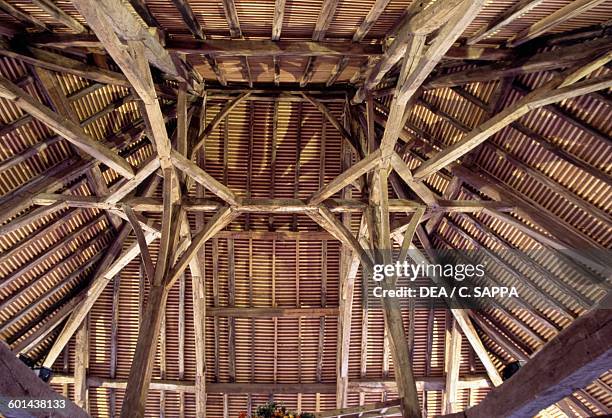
(423, 38)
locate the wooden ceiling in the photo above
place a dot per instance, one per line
(186, 188)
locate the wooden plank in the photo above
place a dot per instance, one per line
(19, 382)
(64, 127)
(504, 19)
(552, 20)
(540, 97)
(584, 346)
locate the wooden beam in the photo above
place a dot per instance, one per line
(551, 20)
(272, 312)
(81, 365)
(516, 11)
(19, 382)
(145, 13)
(111, 18)
(219, 117)
(419, 62)
(58, 14)
(60, 104)
(205, 179)
(380, 235)
(346, 178)
(409, 234)
(266, 48)
(353, 142)
(460, 315)
(142, 242)
(152, 319)
(107, 269)
(452, 372)
(548, 93)
(562, 57)
(64, 127)
(124, 188)
(358, 410)
(428, 383)
(279, 15)
(219, 221)
(22, 16)
(326, 219)
(420, 24)
(190, 18)
(326, 15)
(419, 188)
(56, 62)
(584, 346)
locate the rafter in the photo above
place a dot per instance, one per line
(585, 349)
(231, 15)
(21, 16)
(504, 19)
(358, 36)
(573, 9)
(58, 14)
(326, 15)
(346, 178)
(548, 93)
(562, 57)
(421, 24)
(353, 142)
(64, 127)
(219, 117)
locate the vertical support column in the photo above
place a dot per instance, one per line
(381, 239)
(231, 321)
(81, 365)
(113, 348)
